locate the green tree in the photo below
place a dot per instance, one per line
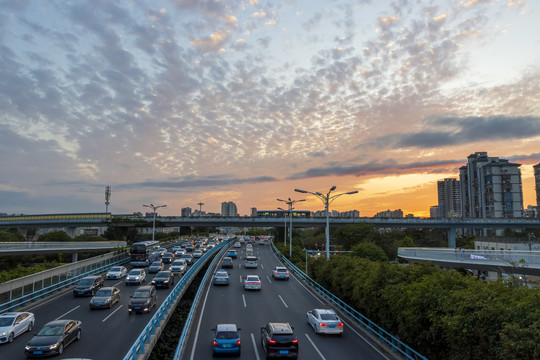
(10, 236)
(369, 251)
(54, 236)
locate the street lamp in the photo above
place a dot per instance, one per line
(284, 227)
(290, 204)
(327, 200)
(154, 207)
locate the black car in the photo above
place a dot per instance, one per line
(167, 258)
(88, 286)
(143, 300)
(163, 279)
(278, 340)
(53, 338)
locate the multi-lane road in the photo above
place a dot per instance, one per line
(278, 301)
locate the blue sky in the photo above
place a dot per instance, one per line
(180, 102)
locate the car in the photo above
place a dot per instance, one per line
(188, 258)
(179, 267)
(226, 340)
(221, 277)
(53, 338)
(189, 248)
(278, 340)
(227, 262)
(252, 282)
(105, 297)
(167, 258)
(88, 286)
(163, 279)
(143, 299)
(232, 253)
(250, 262)
(203, 248)
(116, 272)
(325, 321)
(280, 272)
(179, 253)
(136, 276)
(13, 324)
(237, 245)
(262, 242)
(160, 251)
(211, 244)
(155, 267)
(176, 248)
(197, 254)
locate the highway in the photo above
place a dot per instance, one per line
(278, 301)
(106, 333)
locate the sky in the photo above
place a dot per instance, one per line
(204, 101)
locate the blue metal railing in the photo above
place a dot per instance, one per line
(384, 336)
(168, 306)
(49, 290)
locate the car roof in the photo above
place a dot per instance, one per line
(325, 311)
(252, 276)
(58, 322)
(281, 328)
(12, 313)
(226, 327)
(108, 288)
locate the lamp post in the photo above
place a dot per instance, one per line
(327, 200)
(154, 207)
(284, 227)
(290, 204)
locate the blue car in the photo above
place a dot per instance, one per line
(226, 340)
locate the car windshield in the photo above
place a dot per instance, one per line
(221, 273)
(115, 269)
(283, 338)
(52, 330)
(141, 294)
(162, 275)
(86, 282)
(6, 321)
(135, 272)
(156, 263)
(252, 278)
(103, 292)
(226, 335)
(329, 317)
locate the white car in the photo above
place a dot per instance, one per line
(197, 254)
(136, 276)
(179, 266)
(252, 282)
(13, 324)
(325, 321)
(116, 272)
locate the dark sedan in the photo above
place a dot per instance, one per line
(105, 298)
(163, 279)
(53, 338)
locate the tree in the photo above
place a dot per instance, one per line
(369, 251)
(54, 236)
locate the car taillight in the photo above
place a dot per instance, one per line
(323, 324)
(340, 325)
(215, 343)
(295, 341)
(271, 341)
(238, 343)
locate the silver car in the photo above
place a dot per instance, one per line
(136, 276)
(105, 297)
(13, 324)
(116, 272)
(325, 321)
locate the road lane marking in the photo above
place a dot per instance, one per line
(118, 283)
(199, 324)
(255, 347)
(240, 279)
(75, 308)
(283, 301)
(244, 300)
(368, 342)
(262, 266)
(316, 349)
(268, 277)
(111, 314)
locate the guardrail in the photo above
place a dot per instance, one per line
(58, 278)
(384, 336)
(142, 346)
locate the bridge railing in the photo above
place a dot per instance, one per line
(384, 336)
(23, 291)
(61, 245)
(150, 334)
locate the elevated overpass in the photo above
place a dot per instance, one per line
(72, 247)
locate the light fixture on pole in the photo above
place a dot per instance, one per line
(327, 200)
(107, 197)
(154, 207)
(290, 204)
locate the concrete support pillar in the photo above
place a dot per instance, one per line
(452, 237)
(74, 257)
(22, 231)
(70, 231)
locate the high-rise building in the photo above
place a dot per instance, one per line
(449, 196)
(490, 187)
(228, 209)
(186, 212)
(253, 212)
(390, 214)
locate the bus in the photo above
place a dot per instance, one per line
(143, 253)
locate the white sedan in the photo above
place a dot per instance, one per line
(325, 321)
(116, 272)
(13, 324)
(252, 282)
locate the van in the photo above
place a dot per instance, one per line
(251, 262)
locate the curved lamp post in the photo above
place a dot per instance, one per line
(154, 207)
(290, 204)
(327, 200)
